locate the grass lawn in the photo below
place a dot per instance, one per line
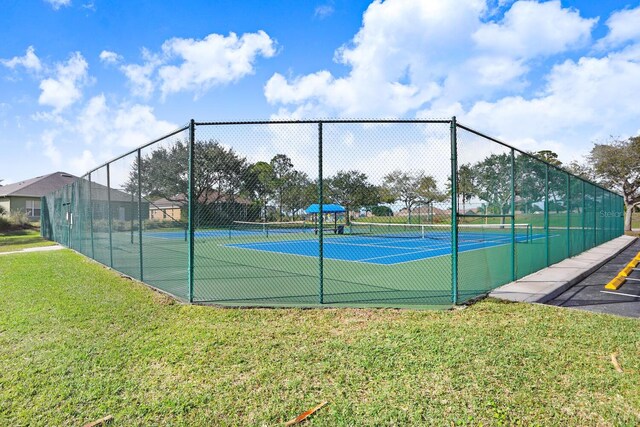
(77, 343)
(21, 239)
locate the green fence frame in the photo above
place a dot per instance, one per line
(607, 207)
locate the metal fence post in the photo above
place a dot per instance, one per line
(192, 138)
(568, 216)
(454, 211)
(109, 216)
(546, 213)
(595, 216)
(140, 212)
(93, 254)
(320, 220)
(131, 221)
(584, 218)
(513, 215)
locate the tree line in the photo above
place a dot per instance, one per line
(226, 186)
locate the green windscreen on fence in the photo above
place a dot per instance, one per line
(396, 213)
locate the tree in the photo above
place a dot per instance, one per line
(530, 182)
(557, 180)
(616, 166)
(261, 174)
(411, 189)
(298, 193)
(219, 174)
(352, 190)
(583, 170)
(493, 182)
(282, 173)
(381, 211)
(466, 188)
(548, 156)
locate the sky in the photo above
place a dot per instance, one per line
(82, 81)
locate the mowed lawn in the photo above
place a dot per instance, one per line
(16, 240)
(78, 342)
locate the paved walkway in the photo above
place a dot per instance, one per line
(548, 283)
(37, 249)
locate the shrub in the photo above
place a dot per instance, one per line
(19, 219)
(5, 224)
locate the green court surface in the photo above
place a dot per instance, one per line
(228, 274)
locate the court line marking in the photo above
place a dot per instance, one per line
(364, 260)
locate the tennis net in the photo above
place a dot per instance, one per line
(466, 232)
(271, 227)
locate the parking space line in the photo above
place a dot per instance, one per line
(620, 293)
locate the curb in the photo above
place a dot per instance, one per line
(546, 284)
(583, 275)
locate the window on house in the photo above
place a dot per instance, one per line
(33, 208)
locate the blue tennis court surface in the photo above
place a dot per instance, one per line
(372, 250)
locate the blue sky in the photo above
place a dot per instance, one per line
(82, 81)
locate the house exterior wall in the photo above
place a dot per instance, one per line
(166, 214)
(5, 203)
(19, 204)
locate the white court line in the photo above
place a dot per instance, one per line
(620, 293)
(373, 245)
(365, 260)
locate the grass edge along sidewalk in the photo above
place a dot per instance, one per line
(77, 342)
(15, 240)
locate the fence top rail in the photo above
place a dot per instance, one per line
(346, 121)
(531, 156)
(316, 121)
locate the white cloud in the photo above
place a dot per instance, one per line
(83, 163)
(30, 61)
(623, 26)
(531, 29)
(123, 125)
(412, 53)
(109, 57)
(140, 76)
(198, 65)
(50, 149)
(57, 4)
(101, 131)
(63, 89)
(213, 61)
(583, 101)
(397, 60)
(323, 11)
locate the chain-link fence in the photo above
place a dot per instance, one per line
(342, 213)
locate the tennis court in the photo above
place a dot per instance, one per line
(388, 244)
(415, 213)
(368, 265)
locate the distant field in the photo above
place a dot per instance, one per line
(77, 343)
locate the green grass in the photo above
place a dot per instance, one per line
(77, 342)
(21, 239)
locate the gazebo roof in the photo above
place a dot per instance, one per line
(326, 208)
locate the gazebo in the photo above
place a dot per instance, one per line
(326, 208)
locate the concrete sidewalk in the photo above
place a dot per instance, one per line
(36, 249)
(548, 283)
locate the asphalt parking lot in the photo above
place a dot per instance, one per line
(591, 295)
